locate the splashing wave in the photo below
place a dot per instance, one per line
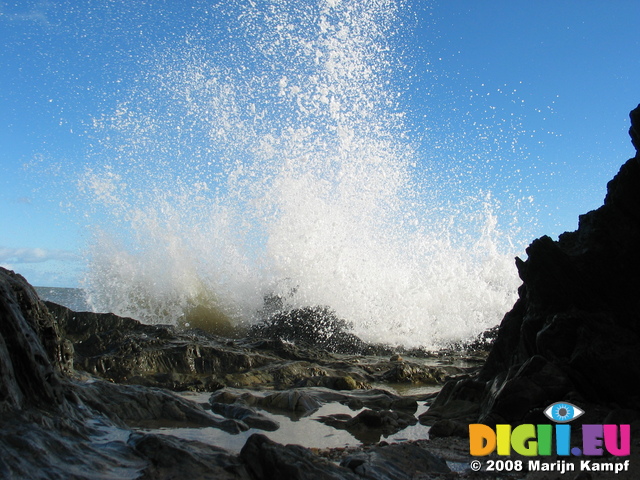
(275, 160)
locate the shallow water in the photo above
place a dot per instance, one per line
(301, 430)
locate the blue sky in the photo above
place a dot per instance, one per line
(546, 86)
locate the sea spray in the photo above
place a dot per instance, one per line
(273, 160)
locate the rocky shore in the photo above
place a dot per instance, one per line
(97, 396)
(82, 393)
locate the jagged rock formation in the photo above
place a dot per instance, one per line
(574, 333)
(31, 352)
(126, 351)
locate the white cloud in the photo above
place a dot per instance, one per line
(35, 255)
(38, 16)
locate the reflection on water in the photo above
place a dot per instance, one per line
(306, 431)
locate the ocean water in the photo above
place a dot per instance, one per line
(73, 298)
(266, 154)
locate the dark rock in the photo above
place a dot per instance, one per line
(449, 428)
(228, 396)
(53, 427)
(536, 384)
(395, 462)
(634, 130)
(32, 354)
(290, 351)
(54, 447)
(369, 425)
(291, 401)
(126, 351)
(387, 420)
(460, 399)
(301, 402)
(316, 326)
(137, 406)
(407, 372)
(172, 458)
(267, 460)
(298, 401)
(247, 415)
(345, 382)
(376, 399)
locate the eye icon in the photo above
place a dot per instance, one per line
(563, 412)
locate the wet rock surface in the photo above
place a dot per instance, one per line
(316, 327)
(249, 416)
(126, 351)
(368, 425)
(307, 400)
(171, 457)
(395, 462)
(270, 460)
(32, 353)
(137, 406)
